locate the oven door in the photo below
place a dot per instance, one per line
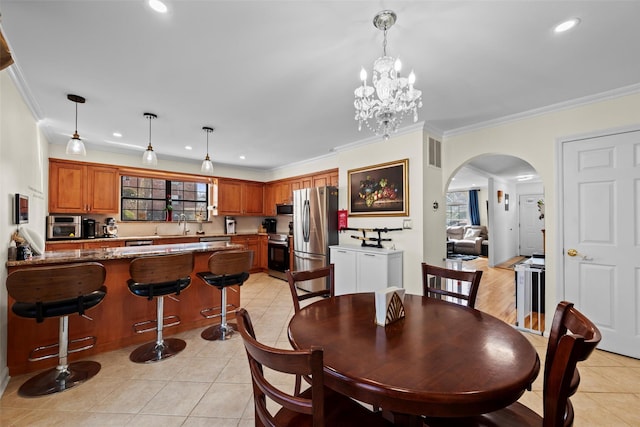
(278, 259)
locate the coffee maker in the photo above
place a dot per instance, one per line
(88, 228)
(229, 225)
(270, 225)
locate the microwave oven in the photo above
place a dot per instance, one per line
(284, 209)
(64, 227)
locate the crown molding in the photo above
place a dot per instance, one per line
(560, 106)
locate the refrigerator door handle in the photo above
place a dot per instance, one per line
(305, 221)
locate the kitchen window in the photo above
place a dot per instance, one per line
(155, 199)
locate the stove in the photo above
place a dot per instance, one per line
(278, 255)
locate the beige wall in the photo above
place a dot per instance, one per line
(23, 166)
(536, 140)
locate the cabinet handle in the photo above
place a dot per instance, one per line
(369, 255)
(342, 252)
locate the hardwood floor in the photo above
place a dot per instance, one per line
(497, 293)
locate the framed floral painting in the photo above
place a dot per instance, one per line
(379, 190)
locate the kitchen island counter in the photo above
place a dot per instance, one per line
(128, 252)
(113, 318)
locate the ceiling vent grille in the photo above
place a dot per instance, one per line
(435, 156)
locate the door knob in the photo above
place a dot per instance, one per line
(574, 252)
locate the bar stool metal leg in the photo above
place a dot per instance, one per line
(224, 330)
(64, 376)
(162, 348)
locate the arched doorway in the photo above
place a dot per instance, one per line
(508, 190)
(503, 182)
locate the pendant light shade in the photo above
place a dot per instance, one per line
(207, 165)
(149, 157)
(75, 146)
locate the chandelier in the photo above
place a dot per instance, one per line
(383, 106)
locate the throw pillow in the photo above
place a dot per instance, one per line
(471, 234)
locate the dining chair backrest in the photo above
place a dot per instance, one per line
(451, 285)
(295, 362)
(572, 339)
(303, 275)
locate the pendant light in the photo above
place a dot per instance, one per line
(149, 157)
(207, 166)
(75, 146)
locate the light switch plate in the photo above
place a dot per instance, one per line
(406, 224)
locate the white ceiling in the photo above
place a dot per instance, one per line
(276, 78)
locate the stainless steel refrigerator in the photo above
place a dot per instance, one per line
(315, 228)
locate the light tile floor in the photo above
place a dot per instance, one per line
(209, 384)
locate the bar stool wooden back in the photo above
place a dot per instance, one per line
(157, 277)
(58, 291)
(226, 268)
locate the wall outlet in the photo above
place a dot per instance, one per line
(406, 224)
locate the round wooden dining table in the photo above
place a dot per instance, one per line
(441, 359)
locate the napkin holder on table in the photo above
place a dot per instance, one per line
(389, 305)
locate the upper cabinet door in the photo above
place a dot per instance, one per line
(229, 197)
(67, 187)
(103, 193)
(253, 198)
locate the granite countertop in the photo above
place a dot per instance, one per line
(153, 237)
(127, 252)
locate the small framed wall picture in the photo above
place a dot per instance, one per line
(21, 209)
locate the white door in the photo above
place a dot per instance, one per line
(601, 220)
(530, 224)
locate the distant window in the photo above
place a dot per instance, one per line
(152, 199)
(458, 208)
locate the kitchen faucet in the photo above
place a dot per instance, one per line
(183, 220)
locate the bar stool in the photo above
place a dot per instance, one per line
(226, 268)
(154, 277)
(58, 291)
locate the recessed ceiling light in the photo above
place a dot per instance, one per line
(242, 157)
(566, 25)
(117, 134)
(525, 177)
(188, 147)
(158, 6)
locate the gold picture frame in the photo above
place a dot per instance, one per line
(379, 190)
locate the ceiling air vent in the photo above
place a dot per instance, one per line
(435, 157)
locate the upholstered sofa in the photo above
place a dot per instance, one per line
(467, 239)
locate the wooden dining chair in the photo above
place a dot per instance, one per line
(450, 285)
(317, 406)
(572, 339)
(294, 277)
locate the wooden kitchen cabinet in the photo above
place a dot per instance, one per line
(321, 180)
(269, 200)
(252, 243)
(62, 246)
(82, 188)
(103, 244)
(264, 253)
(283, 193)
(240, 197)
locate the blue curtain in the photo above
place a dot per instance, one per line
(474, 209)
